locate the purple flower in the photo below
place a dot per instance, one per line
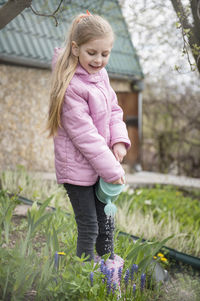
(134, 269)
(108, 280)
(126, 277)
(120, 273)
(108, 274)
(56, 260)
(102, 266)
(112, 272)
(105, 270)
(91, 278)
(134, 288)
(114, 287)
(142, 283)
(108, 283)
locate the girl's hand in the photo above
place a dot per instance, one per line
(119, 181)
(119, 151)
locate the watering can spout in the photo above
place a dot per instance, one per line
(110, 209)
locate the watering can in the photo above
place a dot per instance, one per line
(108, 193)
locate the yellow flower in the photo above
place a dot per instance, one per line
(160, 255)
(164, 259)
(61, 253)
(154, 257)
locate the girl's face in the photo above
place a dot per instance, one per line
(94, 55)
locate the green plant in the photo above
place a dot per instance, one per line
(21, 269)
(17, 272)
(7, 206)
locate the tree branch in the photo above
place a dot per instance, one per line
(198, 9)
(51, 15)
(12, 9)
(190, 33)
(180, 12)
(195, 6)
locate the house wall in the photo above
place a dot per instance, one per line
(24, 106)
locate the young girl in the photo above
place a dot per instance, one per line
(90, 138)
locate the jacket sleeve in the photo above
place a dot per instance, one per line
(78, 124)
(118, 129)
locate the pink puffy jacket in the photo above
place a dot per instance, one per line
(91, 123)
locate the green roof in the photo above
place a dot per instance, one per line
(30, 39)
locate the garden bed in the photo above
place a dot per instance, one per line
(27, 266)
(28, 245)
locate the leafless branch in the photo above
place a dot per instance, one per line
(198, 9)
(46, 15)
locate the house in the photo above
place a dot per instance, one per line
(26, 49)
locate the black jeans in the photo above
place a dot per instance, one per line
(94, 227)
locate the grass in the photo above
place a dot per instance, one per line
(159, 211)
(183, 288)
(144, 226)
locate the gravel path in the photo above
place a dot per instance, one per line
(145, 178)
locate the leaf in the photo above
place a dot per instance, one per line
(6, 282)
(186, 30)
(132, 255)
(55, 239)
(40, 221)
(45, 205)
(143, 253)
(178, 25)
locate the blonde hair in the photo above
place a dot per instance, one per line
(84, 28)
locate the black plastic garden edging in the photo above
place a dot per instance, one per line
(174, 254)
(193, 261)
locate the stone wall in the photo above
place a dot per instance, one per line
(24, 107)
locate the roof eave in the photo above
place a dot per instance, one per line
(26, 62)
(35, 63)
(129, 77)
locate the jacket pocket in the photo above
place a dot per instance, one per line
(60, 144)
